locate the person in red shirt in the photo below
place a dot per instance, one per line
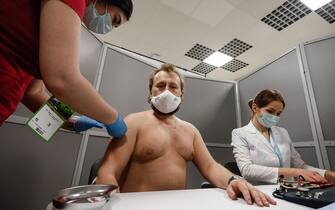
(39, 47)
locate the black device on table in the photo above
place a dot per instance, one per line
(315, 195)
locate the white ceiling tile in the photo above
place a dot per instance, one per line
(211, 12)
(185, 6)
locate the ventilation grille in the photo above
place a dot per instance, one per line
(234, 65)
(286, 14)
(327, 12)
(235, 48)
(199, 52)
(204, 68)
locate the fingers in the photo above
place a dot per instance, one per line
(99, 125)
(260, 198)
(257, 197)
(232, 195)
(320, 178)
(249, 193)
(270, 200)
(314, 176)
(241, 186)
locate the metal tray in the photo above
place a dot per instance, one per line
(86, 194)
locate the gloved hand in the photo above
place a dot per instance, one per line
(84, 123)
(117, 129)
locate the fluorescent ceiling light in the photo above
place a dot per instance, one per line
(315, 4)
(218, 59)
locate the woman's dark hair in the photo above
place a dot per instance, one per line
(125, 5)
(265, 97)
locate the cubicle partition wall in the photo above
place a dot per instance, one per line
(319, 67)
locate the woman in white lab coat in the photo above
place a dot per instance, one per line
(264, 151)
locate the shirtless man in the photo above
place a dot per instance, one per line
(153, 154)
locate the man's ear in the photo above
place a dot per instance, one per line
(149, 97)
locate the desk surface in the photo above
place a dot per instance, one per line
(198, 199)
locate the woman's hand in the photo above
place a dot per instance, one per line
(330, 176)
(311, 176)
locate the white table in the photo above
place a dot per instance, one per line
(198, 199)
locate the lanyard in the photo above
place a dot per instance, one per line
(276, 149)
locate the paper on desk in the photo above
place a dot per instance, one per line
(329, 207)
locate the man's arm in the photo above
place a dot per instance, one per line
(118, 154)
(209, 168)
(219, 176)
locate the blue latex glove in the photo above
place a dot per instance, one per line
(84, 123)
(117, 129)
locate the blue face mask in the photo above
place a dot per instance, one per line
(268, 120)
(97, 23)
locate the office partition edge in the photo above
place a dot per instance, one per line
(321, 151)
(319, 39)
(238, 106)
(329, 143)
(84, 141)
(80, 160)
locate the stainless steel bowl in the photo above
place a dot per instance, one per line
(88, 195)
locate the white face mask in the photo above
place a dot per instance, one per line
(166, 102)
(268, 120)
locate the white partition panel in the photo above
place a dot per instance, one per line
(210, 106)
(321, 64)
(331, 157)
(318, 60)
(32, 171)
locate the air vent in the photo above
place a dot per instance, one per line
(234, 65)
(286, 14)
(204, 68)
(235, 48)
(327, 12)
(199, 52)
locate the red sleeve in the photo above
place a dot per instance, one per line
(78, 6)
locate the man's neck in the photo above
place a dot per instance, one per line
(165, 118)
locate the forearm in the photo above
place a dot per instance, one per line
(35, 96)
(288, 172)
(218, 175)
(76, 92)
(106, 179)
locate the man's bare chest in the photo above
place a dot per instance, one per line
(153, 142)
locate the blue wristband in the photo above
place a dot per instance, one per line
(117, 129)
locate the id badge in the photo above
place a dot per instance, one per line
(49, 118)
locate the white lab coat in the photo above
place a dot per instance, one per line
(256, 158)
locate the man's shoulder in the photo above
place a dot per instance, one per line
(187, 125)
(137, 117)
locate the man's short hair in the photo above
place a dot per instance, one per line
(167, 68)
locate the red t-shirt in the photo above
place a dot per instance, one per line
(19, 49)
